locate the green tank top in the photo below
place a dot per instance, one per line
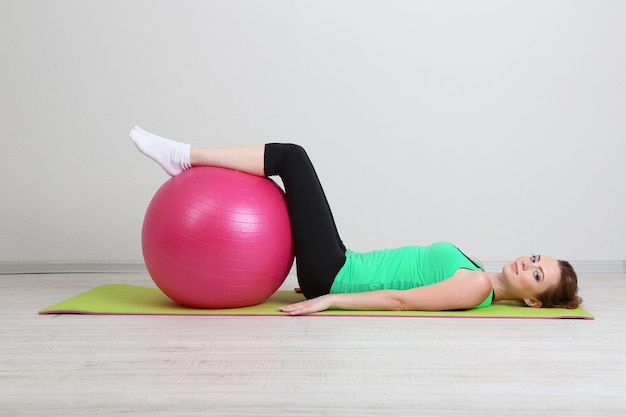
(402, 269)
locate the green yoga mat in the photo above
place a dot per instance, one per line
(135, 300)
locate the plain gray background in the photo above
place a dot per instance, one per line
(496, 125)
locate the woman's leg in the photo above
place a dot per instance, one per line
(175, 157)
(320, 253)
(247, 159)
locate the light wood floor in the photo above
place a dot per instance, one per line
(72, 365)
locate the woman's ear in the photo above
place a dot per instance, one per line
(532, 302)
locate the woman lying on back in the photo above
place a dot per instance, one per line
(434, 277)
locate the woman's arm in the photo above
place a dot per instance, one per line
(463, 290)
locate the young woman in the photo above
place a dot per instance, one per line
(434, 277)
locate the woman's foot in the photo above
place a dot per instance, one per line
(172, 156)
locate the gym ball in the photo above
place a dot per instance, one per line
(217, 238)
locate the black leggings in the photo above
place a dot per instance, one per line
(320, 253)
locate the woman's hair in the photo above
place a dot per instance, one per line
(565, 293)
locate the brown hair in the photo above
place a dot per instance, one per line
(565, 293)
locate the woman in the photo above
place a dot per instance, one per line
(434, 277)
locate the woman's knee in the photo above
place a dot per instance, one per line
(293, 151)
(278, 156)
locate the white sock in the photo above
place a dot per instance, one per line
(174, 157)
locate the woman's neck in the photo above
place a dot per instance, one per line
(500, 291)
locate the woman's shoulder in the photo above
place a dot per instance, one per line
(480, 279)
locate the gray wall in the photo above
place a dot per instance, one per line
(497, 125)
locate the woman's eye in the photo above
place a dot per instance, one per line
(536, 275)
(533, 258)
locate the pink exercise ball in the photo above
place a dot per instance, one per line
(218, 238)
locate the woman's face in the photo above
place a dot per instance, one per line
(529, 276)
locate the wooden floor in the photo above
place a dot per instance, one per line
(73, 365)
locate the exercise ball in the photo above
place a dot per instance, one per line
(217, 238)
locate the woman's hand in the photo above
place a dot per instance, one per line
(308, 306)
